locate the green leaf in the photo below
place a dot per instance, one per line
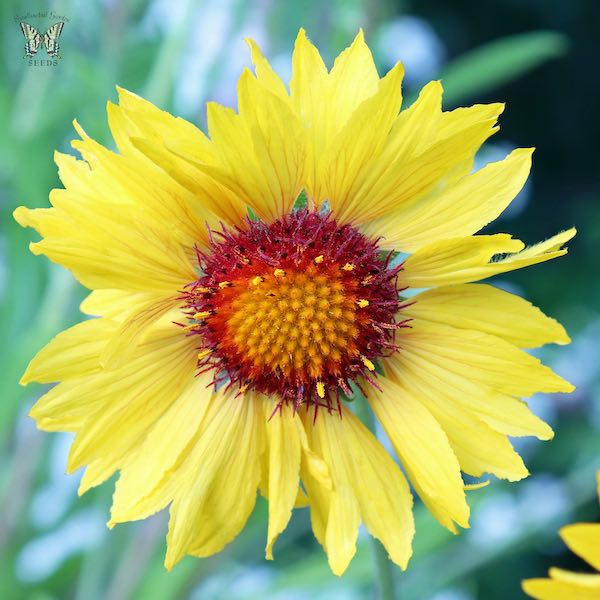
(500, 62)
(301, 201)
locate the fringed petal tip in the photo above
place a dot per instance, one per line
(123, 94)
(80, 130)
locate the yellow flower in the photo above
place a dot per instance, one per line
(584, 540)
(228, 346)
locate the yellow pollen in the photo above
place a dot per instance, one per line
(320, 389)
(301, 326)
(204, 353)
(319, 259)
(258, 279)
(368, 363)
(348, 267)
(202, 315)
(225, 284)
(362, 303)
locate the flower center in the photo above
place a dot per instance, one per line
(298, 308)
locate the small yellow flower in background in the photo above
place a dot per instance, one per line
(584, 540)
(227, 346)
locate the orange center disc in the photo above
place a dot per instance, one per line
(297, 323)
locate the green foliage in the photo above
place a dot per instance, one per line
(488, 67)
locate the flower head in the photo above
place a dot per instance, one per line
(236, 322)
(584, 540)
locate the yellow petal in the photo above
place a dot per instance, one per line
(460, 209)
(140, 254)
(309, 74)
(140, 118)
(326, 102)
(396, 181)
(258, 162)
(95, 474)
(319, 494)
(550, 246)
(481, 358)
(161, 452)
(462, 260)
(413, 131)
(415, 138)
(132, 396)
(143, 185)
(72, 353)
(132, 330)
(453, 261)
(178, 159)
(360, 142)
(272, 125)
(454, 121)
(584, 540)
(359, 464)
(352, 80)
(425, 453)
(73, 404)
(121, 128)
(265, 73)
(302, 500)
(502, 412)
(549, 589)
(491, 310)
(469, 487)
(307, 87)
(75, 174)
(141, 129)
(214, 490)
(343, 516)
(478, 447)
(342, 528)
(284, 449)
(589, 580)
(416, 127)
(66, 406)
(510, 416)
(114, 304)
(354, 75)
(313, 464)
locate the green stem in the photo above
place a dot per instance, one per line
(384, 568)
(386, 588)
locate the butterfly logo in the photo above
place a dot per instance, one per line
(33, 39)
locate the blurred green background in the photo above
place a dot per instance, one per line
(540, 57)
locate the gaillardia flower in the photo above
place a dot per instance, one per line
(584, 540)
(236, 320)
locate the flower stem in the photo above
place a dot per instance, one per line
(383, 566)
